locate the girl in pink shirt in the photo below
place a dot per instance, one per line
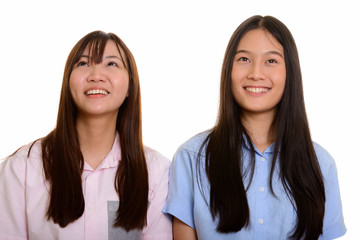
(68, 185)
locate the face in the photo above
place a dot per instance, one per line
(99, 89)
(258, 75)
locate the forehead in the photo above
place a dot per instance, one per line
(111, 47)
(259, 40)
(98, 49)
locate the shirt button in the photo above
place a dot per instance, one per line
(261, 189)
(261, 221)
(262, 159)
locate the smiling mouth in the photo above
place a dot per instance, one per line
(257, 89)
(97, 92)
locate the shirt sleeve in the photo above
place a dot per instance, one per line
(12, 197)
(180, 202)
(159, 226)
(334, 226)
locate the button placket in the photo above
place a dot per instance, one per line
(262, 167)
(262, 160)
(90, 219)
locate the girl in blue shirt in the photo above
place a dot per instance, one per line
(256, 174)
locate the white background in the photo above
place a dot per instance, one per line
(179, 48)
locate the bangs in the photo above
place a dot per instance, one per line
(95, 49)
(94, 45)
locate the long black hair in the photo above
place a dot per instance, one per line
(300, 172)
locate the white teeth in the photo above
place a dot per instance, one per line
(96, 91)
(256, 90)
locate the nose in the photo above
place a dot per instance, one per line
(96, 74)
(256, 72)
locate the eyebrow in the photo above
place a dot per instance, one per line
(106, 57)
(266, 53)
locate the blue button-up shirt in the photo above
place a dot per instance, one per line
(271, 217)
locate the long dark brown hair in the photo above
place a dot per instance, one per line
(63, 161)
(300, 172)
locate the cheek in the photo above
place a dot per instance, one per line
(73, 85)
(122, 85)
(238, 76)
(233, 87)
(279, 79)
(236, 86)
(281, 90)
(282, 84)
(237, 73)
(237, 94)
(126, 84)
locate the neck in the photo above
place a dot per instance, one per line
(258, 126)
(96, 136)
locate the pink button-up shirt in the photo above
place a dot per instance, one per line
(24, 199)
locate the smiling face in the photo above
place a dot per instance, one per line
(259, 73)
(99, 89)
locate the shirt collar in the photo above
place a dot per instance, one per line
(247, 145)
(112, 159)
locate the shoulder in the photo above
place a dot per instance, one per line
(158, 166)
(155, 160)
(194, 144)
(334, 226)
(187, 155)
(158, 172)
(21, 166)
(324, 158)
(29, 153)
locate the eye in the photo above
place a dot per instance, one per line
(271, 61)
(112, 64)
(82, 64)
(243, 59)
